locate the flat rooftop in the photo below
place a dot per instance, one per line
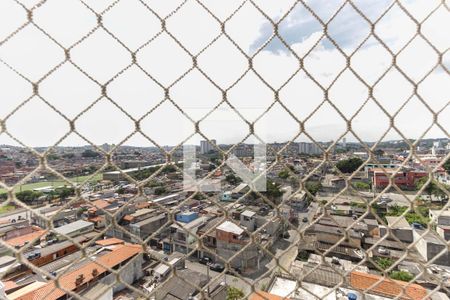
(141, 168)
(228, 226)
(400, 222)
(71, 227)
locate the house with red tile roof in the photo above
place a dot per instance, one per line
(27, 238)
(386, 287)
(127, 258)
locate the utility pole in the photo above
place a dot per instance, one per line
(207, 275)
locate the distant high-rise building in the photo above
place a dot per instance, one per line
(309, 148)
(344, 142)
(206, 146)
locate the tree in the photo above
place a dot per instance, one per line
(68, 155)
(28, 196)
(303, 255)
(431, 189)
(401, 275)
(64, 192)
(378, 152)
(168, 169)
(199, 196)
(273, 189)
(232, 179)
(384, 262)
(411, 216)
(313, 187)
(234, 293)
(446, 166)
(349, 165)
(53, 156)
(359, 185)
(88, 153)
(160, 190)
(284, 174)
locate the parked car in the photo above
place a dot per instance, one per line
(205, 260)
(417, 225)
(386, 199)
(216, 267)
(305, 219)
(383, 250)
(284, 235)
(236, 270)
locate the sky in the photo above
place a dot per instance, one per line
(137, 93)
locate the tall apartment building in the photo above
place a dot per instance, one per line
(309, 148)
(206, 146)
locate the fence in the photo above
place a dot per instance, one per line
(90, 46)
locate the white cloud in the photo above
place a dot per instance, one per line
(224, 64)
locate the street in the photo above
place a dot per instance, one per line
(281, 251)
(227, 278)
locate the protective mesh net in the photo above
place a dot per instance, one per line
(255, 258)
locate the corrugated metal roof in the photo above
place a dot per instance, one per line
(228, 226)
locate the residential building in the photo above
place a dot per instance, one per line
(182, 238)
(127, 258)
(74, 229)
(440, 217)
(231, 239)
(143, 229)
(400, 228)
(404, 180)
(186, 216)
(431, 247)
(207, 146)
(309, 148)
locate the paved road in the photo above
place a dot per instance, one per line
(7, 217)
(227, 278)
(281, 251)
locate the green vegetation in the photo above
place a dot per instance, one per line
(358, 204)
(273, 189)
(384, 262)
(234, 293)
(54, 183)
(284, 174)
(68, 155)
(53, 156)
(88, 153)
(303, 255)
(199, 196)
(313, 188)
(121, 191)
(431, 189)
(401, 275)
(6, 208)
(147, 172)
(378, 152)
(411, 217)
(349, 165)
(30, 196)
(160, 190)
(446, 166)
(359, 185)
(233, 179)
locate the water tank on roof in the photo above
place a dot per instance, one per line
(352, 296)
